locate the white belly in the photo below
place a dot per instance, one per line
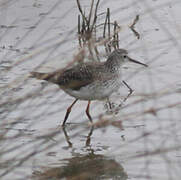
(96, 91)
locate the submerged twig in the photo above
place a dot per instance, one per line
(132, 27)
(95, 15)
(90, 13)
(80, 9)
(79, 31)
(115, 36)
(109, 29)
(105, 24)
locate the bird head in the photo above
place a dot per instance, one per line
(123, 56)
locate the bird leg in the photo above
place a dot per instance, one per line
(111, 106)
(87, 111)
(130, 90)
(68, 112)
(89, 136)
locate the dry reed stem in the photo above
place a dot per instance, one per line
(132, 27)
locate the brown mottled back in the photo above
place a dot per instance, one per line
(75, 77)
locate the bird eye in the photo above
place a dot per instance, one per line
(124, 56)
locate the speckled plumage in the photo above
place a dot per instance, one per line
(87, 81)
(90, 81)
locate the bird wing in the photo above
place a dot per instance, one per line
(76, 77)
(73, 78)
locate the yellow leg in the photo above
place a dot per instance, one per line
(87, 111)
(68, 112)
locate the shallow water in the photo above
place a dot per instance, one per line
(41, 35)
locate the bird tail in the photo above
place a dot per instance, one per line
(41, 76)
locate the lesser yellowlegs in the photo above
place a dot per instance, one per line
(90, 81)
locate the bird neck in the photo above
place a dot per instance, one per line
(113, 64)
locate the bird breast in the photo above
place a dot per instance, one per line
(98, 90)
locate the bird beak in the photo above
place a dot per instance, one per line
(132, 60)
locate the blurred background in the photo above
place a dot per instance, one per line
(138, 139)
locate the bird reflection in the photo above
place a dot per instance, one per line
(82, 166)
(67, 137)
(88, 139)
